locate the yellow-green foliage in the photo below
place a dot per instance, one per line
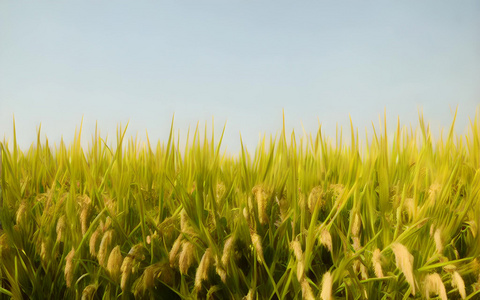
(395, 217)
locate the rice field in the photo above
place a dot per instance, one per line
(393, 215)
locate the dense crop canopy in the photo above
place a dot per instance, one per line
(298, 218)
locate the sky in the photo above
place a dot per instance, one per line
(242, 63)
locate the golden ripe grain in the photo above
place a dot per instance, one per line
(187, 257)
(404, 262)
(114, 263)
(434, 285)
(69, 267)
(457, 282)
(327, 282)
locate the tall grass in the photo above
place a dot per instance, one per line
(297, 218)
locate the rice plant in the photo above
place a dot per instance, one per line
(298, 218)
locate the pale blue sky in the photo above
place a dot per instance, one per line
(239, 61)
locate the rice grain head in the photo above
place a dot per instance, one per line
(95, 240)
(246, 215)
(409, 207)
(356, 225)
(326, 239)
(187, 257)
(300, 271)
(126, 269)
(69, 267)
(61, 225)
(222, 273)
(84, 215)
(457, 282)
(203, 269)
(434, 285)
(315, 198)
(46, 250)
(307, 293)
(363, 271)
(149, 277)
(404, 262)
(21, 215)
(376, 261)
(173, 255)
(297, 250)
(356, 243)
(261, 198)
(327, 282)
(89, 291)
(86, 208)
(227, 251)
(257, 244)
(114, 263)
(184, 225)
(438, 241)
(432, 229)
(104, 249)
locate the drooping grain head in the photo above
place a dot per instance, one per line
(174, 252)
(149, 277)
(61, 226)
(356, 243)
(315, 198)
(300, 270)
(363, 271)
(257, 244)
(86, 210)
(184, 223)
(126, 269)
(307, 293)
(438, 241)
(404, 262)
(302, 200)
(187, 257)
(261, 198)
(434, 285)
(89, 291)
(297, 251)
(69, 267)
(326, 239)
(377, 265)
(46, 250)
(22, 214)
(457, 282)
(409, 207)
(356, 225)
(222, 273)
(206, 263)
(95, 239)
(105, 246)
(114, 263)
(227, 251)
(283, 205)
(327, 282)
